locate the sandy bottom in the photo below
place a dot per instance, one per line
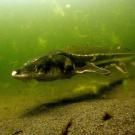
(92, 117)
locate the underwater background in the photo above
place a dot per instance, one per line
(31, 28)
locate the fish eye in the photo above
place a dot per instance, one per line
(41, 68)
(38, 68)
(35, 68)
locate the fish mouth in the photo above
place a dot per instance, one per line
(23, 76)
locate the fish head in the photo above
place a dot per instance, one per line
(38, 69)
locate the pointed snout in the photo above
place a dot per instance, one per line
(18, 75)
(14, 73)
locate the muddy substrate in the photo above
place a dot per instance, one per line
(91, 117)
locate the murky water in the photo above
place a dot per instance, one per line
(31, 28)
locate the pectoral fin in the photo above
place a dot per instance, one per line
(91, 67)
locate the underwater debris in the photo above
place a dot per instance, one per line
(66, 129)
(107, 116)
(18, 132)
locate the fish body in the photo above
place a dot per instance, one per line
(65, 65)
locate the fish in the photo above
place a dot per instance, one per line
(61, 65)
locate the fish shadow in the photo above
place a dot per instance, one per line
(40, 109)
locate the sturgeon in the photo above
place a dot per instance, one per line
(60, 65)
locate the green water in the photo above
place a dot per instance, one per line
(31, 28)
